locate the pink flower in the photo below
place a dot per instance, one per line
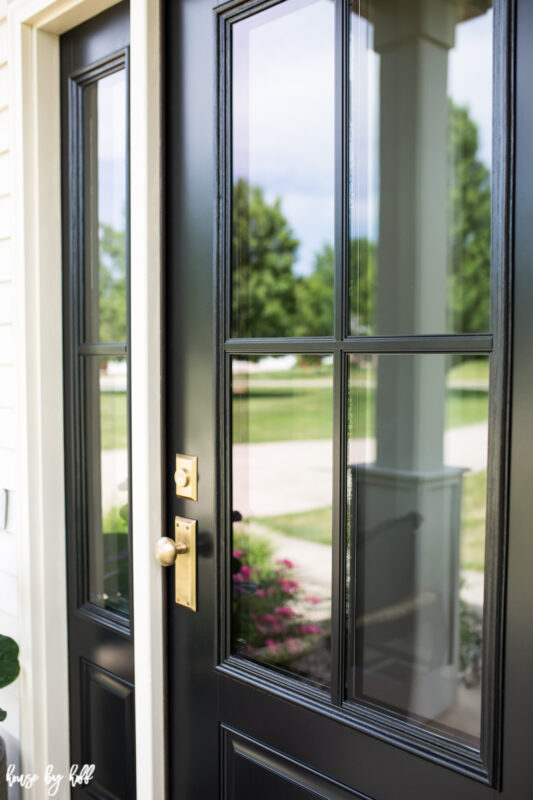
(260, 592)
(269, 618)
(288, 586)
(293, 646)
(284, 611)
(310, 629)
(260, 628)
(313, 599)
(285, 561)
(272, 646)
(246, 572)
(238, 553)
(238, 578)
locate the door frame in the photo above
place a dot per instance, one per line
(34, 28)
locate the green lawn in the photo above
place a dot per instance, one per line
(474, 370)
(114, 420)
(473, 521)
(465, 407)
(298, 372)
(285, 414)
(315, 526)
(273, 415)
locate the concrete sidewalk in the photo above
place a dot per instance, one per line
(290, 477)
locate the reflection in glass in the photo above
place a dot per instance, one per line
(106, 459)
(282, 489)
(104, 110)
(418, 432)
(420, 166)
(283, 171)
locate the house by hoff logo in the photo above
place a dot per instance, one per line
(79, 775)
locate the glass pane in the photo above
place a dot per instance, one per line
(282, 489)
(104, 116)
(283, 171)
(418, 428)
(106, 459)
(420, 164)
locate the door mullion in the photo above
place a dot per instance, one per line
(342, 143)
(341, 329)
(339, 500)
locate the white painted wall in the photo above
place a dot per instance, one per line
(9, 612)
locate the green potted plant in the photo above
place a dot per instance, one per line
(9, 670)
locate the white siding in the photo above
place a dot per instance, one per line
(4, 86)
(8, 556)
(5, 259)
(7, 387)
(3, 39)
(7, 346)
(5, 214)
(5, 177)
(8, 465)
(8, 593)
(7, 431)
(9, 622)
(4, 130)
(6, 302)
(9, 699)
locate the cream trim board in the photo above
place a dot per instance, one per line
(34, 28)
(146, 388)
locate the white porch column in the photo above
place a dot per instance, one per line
(408, 515)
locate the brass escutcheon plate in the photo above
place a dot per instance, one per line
(185, 567)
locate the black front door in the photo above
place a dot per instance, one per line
(347, 361)
(95, 166)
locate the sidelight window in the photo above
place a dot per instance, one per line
(100, 333)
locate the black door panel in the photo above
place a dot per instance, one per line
(367, 707)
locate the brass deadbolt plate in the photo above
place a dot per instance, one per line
(186, 477)
(185, 534)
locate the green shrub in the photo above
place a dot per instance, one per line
(9, 665)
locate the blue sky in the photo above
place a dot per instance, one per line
(111, 149)
(284, 112)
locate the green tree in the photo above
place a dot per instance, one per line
(469, 215)
(363, 270)
(264, 250)
(112, 280)
(315, 293)
(315, 297)
(469, 212)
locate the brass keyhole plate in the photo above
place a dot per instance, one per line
(185, 567)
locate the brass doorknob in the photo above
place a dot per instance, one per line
(181, 478)
(167, 550)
